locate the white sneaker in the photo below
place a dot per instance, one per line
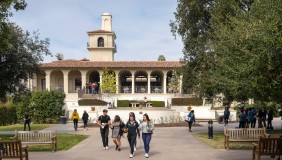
(107, 147)
(104, 148)
(147, 155)
(131, 156)
(134, 148)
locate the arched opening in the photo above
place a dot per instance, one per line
(156, 80)
(57, 80)
(100, 42)
(125, 81)
(74, 81)
(141, 82)
(93, 76)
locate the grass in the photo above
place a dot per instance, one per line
(64, 142)
(20, 127)
(218, 140)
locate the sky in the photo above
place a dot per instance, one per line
(141, 26)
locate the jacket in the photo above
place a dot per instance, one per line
(145, 128)
(75, 115)
(85, 116)
(191, 116)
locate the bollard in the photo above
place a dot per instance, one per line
(210, 129)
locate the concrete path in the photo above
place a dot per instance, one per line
(167, 144)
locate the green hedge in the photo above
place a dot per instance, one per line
(91, 102)
(123, 103)
(158, 103)
(8, 114)
(186, 101)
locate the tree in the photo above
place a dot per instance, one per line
(173, 82)
(109, 81)
(59, 56)
(161, 58)
(20, 52)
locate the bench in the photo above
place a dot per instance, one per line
(12, 150)
(243, 135)
(267, 146)
(37, 137)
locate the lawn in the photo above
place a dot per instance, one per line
(64, 141)
(20, 127)
(218, 140)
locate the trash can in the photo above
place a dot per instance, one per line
(220, 119)
(63, 120)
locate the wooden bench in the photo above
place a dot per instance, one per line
(37, 137)
(267, 146)
(12, 150)
(243, 135)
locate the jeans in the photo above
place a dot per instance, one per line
(93, 91)
(131, 140)
(147, 139)
(75, 121)
(85, 124)
(242, 124)
(104, 134)
(27, 122)
(226, 121)
(190, 125)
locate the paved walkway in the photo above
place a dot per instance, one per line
(167, 144)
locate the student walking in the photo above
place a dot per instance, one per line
(117, 131)
(191, 120)
(104, 121)
(226, 115)
(85, 117)
(75, 118)
(147, 128)
(269, 119)
(138, 121)
(242, 119)
(131, 127)
(27, 120)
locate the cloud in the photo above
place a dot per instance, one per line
(142, 27)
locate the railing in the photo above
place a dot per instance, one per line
(141, 89)
(95, 45)
(156, 89)
(125, 89)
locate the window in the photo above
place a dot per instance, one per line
(100, 42)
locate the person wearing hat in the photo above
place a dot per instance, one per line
(104, 121)
(85, 119)
(191, 119)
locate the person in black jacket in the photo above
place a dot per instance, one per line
(269, 119)
(131, 127)
(85, 119)
(27, 121)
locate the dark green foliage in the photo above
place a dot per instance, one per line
(123, 103)
(157, 103)
(20, 51)
(8, 114)
(91, 102)
(47, 106)
(186, 101)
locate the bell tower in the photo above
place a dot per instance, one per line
(101, 45)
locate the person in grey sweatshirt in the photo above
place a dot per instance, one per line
(147, 127)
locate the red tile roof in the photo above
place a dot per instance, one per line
(111, 64)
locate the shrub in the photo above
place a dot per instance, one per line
(47, 106)
(8, 114)
(91, 102)
(123, 103)
(158, 103)
(186, 101)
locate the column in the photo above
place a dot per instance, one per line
(149, 83)
(165, 77)
(101, 81)
(34, 82)
(133, 85)
(117, 84)
(47, 77)
(66, 82)
(83, 79)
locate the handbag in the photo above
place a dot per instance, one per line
(187, 119)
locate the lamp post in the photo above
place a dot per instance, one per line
(210, 129)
